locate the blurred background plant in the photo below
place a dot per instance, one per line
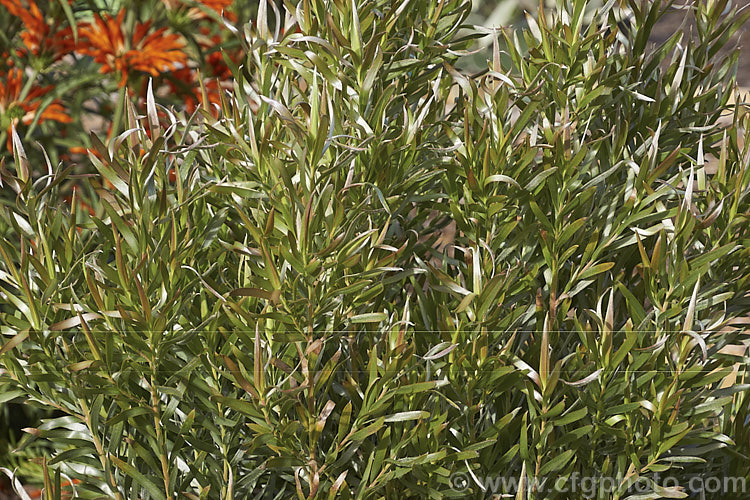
(67, 67)
(363, 270)
(489, 15)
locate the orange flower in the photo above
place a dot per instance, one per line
(187, 85)
(218, 6)
(38, 494)
(211, 45)
(218, 66)
(218, 81)
(152, 53)
(39, 37)
(221, 7)
(6, 61)
(14, 109)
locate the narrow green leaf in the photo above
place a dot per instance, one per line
(369, 318)
(150, 486)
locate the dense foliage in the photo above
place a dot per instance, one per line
(371, 275)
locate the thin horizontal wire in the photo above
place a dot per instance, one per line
(190, 330)
(619, 369)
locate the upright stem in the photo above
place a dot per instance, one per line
(118, 113)
(160, 434)
(100, 450)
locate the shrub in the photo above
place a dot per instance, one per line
(375, 276)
